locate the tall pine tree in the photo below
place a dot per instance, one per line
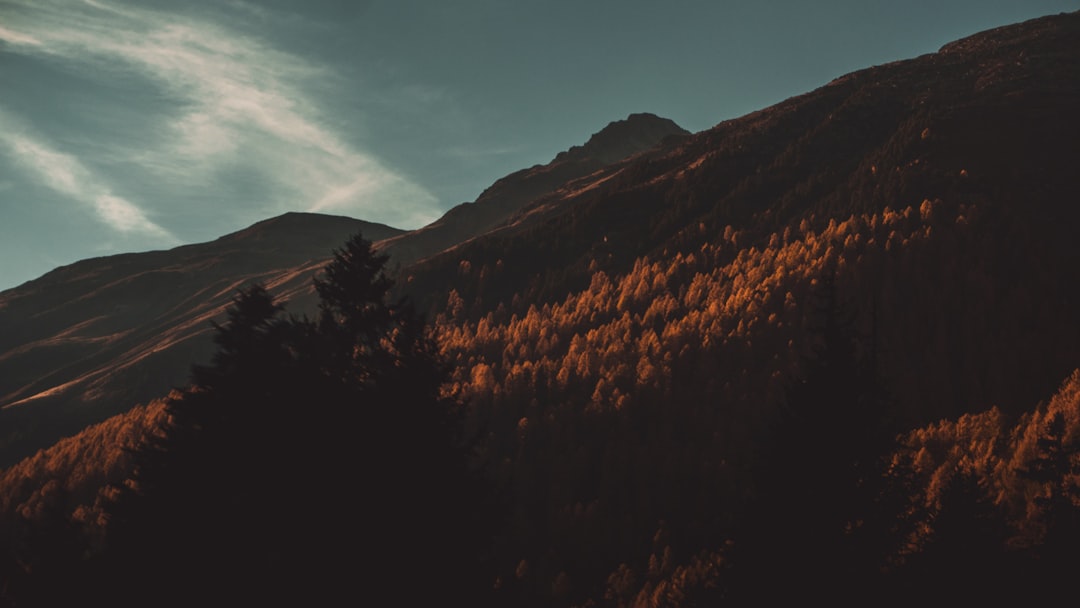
(312, 460)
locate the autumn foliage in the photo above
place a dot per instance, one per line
(828, 351)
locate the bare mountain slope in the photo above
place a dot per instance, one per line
(93, 338)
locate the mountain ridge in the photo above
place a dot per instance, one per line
(739, 155)
(617, 142)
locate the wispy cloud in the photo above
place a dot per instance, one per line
(66, 175)
(17, 38)
(235, 101)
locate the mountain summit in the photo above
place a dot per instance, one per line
(624, 138)
(617, 142)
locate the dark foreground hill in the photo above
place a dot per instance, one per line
(825, 351)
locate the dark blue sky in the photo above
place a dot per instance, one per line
(127, 126)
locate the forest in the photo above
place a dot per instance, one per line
(628, 446)
(828, 351)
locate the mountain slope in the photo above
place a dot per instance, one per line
(638, 346)
(91, 339)
(988, 121)
(985, 119)
(688, 364)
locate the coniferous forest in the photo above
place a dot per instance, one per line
(828, 351)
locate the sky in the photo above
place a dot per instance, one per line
(131, 125)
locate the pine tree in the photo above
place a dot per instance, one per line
(311, 460)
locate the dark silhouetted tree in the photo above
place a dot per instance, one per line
(313, 460)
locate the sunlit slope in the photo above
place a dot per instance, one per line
(988, 120)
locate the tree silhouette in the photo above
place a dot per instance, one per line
(311, 460)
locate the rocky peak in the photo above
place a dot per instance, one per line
(623, 138)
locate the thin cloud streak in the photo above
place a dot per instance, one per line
(66, 175)
(237, 102)
(17, 38)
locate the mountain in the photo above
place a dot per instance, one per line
(91, 339)
(985, 122)
(828, 349)
(647, 346)
(94, 338)
(618, 141)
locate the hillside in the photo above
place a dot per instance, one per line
(827, 350)
(94, 338)
(984, 123)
